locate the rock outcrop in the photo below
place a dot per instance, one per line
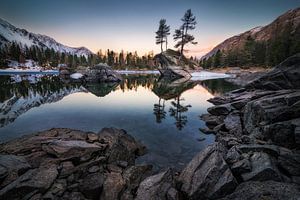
(96, 74)
(101, 73)
(259, 128)
(172, 65)
(71, 164)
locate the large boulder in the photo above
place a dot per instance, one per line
(101, 73)
(207, 176)
(172, 64)
(157, 187)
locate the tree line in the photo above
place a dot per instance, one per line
(126, 60)
(44, 56)
(50, 57)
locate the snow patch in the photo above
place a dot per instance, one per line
(76, 76)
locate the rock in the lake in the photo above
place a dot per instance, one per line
(207, 175)
(101, 73)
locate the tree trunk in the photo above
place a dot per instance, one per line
(166, 43)
(161, 47)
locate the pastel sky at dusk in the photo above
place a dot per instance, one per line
(130, 25)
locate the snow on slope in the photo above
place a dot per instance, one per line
(10, 33)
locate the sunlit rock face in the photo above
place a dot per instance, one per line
(172, 64)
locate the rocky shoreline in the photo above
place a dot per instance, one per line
(256, 154)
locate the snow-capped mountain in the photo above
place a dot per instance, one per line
(10, 33)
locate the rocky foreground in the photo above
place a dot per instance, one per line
(71, 164)
(256, 154)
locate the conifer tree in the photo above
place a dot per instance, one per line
(182, 35)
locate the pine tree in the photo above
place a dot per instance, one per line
(217, 58)
(181, 34)
(162, 34)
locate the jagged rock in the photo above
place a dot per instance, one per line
(233, 124)
(156, 187)
(256, 190)
(270, 109)
(101, 73)
(207, 175)
(263, 168)
(223, 109)
(283, 76)
(36, 179)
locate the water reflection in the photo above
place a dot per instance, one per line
(18, 94)
(167, 89)
(162, 114)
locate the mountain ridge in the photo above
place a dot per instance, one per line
(260, 33)
(10, 33)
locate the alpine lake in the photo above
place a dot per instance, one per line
(162, 114)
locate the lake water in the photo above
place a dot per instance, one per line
(162, 114)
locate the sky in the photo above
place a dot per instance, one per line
(130, 25)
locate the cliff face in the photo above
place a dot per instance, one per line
(286, 25)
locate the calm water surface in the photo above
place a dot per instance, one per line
(162, 114)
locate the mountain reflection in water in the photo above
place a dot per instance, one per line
(162, 114)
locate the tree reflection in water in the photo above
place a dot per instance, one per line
(177, 111)
(159, 110)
